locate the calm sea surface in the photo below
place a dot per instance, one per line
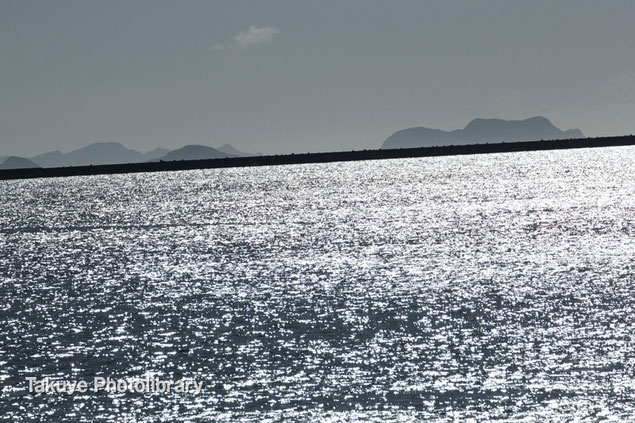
(474, 288)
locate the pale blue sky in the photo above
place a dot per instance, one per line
(295, 76)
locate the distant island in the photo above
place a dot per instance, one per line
(336, 156)
(481, 131)
(480, 136)
(14, 162)
(196, 152)
(105, 153)
(478, 131)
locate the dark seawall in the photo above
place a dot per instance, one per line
(342, 156)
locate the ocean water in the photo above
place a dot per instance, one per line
(476, 288)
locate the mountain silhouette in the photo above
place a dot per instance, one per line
(116, 153)
(52, 159)
(102, 153)
(481, 131)
(228, 149)
(97, 154)
(195, 152)
(14, 162)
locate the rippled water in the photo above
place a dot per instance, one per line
(439, 289)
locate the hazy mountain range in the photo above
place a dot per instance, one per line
(477, 131)
(114, 152)
(481, 131)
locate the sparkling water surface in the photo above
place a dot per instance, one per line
(476, 288)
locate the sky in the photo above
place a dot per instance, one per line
(305, 76)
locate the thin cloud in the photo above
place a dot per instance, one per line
(251, 36)
(255, 35)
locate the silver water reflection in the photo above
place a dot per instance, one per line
(485, 287)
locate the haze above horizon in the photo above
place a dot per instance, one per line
(282, 76)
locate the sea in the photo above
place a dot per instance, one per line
(496, 287)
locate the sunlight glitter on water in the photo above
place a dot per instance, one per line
(483, 287)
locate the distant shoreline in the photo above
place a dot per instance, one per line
(340, 156)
